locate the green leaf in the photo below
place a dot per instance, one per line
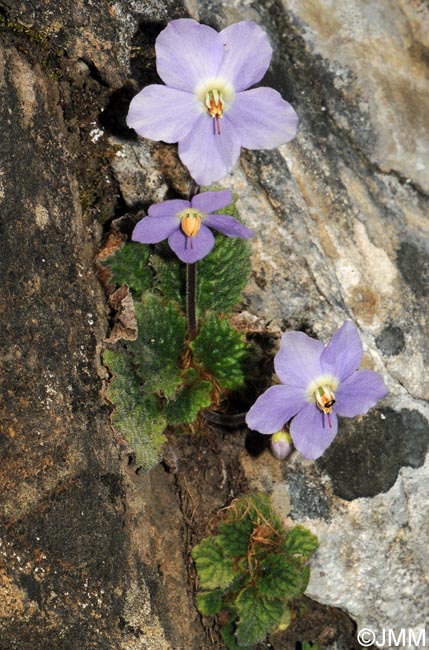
(258, 509)
(194, 396)
(234, 537)
(300, 541)
(278, 578)
(209, 603)
(223, 274)
(159, 345)
(214, 570)
(305, 578)
(309, 646)
(228, 634)
(136, 416)
(129, 265)
(257, 617)
(222, 351)
(169, 275)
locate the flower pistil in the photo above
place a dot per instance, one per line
(216, 95)
(322, 392)
(325, 399)
(214, 106)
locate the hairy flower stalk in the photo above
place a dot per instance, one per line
(318, 384)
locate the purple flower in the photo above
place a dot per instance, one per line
(184, 224)
(204, 105)
(318, 384)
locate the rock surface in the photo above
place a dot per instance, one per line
(90, 553)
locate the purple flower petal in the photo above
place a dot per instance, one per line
(247, 54)
(207, 155)
(211, 201)
(192, 249)
(298, 360)
(168, 208)
(311, 433)
(162, 113)
(151, 230)
(274, 408)
(343, 353)
(358, 393)
(188, 53)
(227, 225)
(262, 119)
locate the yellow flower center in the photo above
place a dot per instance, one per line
(190, 220)
(325, 399)
(322, 391)
(214, 103)
(215, 95)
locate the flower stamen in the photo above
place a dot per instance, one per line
(214, 105)
(325, 400)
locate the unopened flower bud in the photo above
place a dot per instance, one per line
(281, 444)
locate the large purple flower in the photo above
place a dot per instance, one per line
(204, 105)
(185, 225)
(318, 384)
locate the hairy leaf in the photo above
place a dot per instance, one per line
(222, 351)
(209, 603)
(300, 541)
(136, 416)
(278, 578)
(129, 265)
(228, 634)
(257, 508)
(234, 537)
(191, 398)
(169, 275)
(223, 274)
(213, 568)
(159, 345)
(256, 617)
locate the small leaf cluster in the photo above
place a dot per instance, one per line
(162, 378)
(252, 570)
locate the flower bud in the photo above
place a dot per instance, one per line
(281, 444)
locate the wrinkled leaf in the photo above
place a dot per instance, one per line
(159, 345)
(209, 603)
(129, 265)
(234, 537)
(278, 578)
(190, 399)
(222, 351)
(300, 541)
(256, 617)
(213, 568)
(136, 416)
